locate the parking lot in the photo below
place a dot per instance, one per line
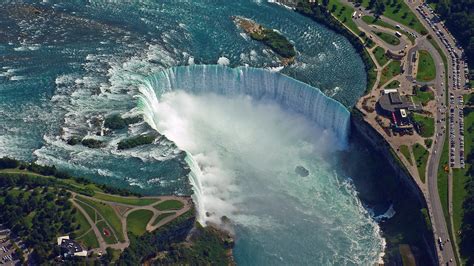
(7, 251)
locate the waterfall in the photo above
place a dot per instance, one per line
(260, 84)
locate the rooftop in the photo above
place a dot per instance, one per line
(393, 101)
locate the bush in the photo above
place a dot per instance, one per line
(117, 122)
(6, 163)
(136, 141)
(93, 143)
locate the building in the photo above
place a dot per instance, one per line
(73, 248)
(396, 107)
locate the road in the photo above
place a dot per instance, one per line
(437, 215)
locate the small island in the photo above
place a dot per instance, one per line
(271, 38)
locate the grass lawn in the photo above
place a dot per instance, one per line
(373, 21)
(90, 211)
(89, 240)
(393, 85)
(169, 205)
(137, 221)
(108, 214)
(388, 38)
(421, 159)
(401, 13)
(84, 225)
(426, 66)
(426, 125)
(406, 152)
(389, 71)
(461, 176)
(125, 200)
(162, 216)
(343, 13)
(380, 56)
(422, 97)
(110, 238)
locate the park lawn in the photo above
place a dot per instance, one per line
(426, 125)
(162, 216)
(443, 177)
(84, 225)
(388, 38)
(169, 205)
(125, 200)
(461, 176)
(108, 214)
(406, 152)
(373, 21)
(426, 66)
(110, 239)
(389, 71)
(89, 240)
(344, 14)
(89, 210)
(380, 56)
(29, 219)
(401, 13)
(393, 85)
(421, 159)
(422, 97)
(137, 221)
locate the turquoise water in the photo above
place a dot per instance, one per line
(68, 64)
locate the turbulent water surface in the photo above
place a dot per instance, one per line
(242, 131)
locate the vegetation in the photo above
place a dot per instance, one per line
(421, 159)
(92, 143)
(394, 84)
(428, 143)
(389, 71)
(107, 234)
(458, 18)
(406, 152)
(162, 216)
(380, 56)
(169, 205)
(375, 21)
(422, 95)
(136, 141)
(137, 221)
(89, 240)
(344, 14)
(277, 42)
(423, 124)
(108, 214)
(125, 200)
(396, 10)
(463, 189)
(388, 38)
(117, 122)
(53, 215)
(426, 67)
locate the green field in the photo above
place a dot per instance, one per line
(388, 38)
(422, 97)
(89, 240)
(110, 239)
(344, 14)
(389, 71)
(89, 210)
(125, 200)
(108, 214)
(380, 56)
(426, 66)
(84, 225)
(426, 125)
(162, 216)
(169, 205)
(398, 11)
(406, 152)
(137, 221)
(393, 85)
(421, 159)
(372, 21)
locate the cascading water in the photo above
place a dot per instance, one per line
(246, 131)
(261, 85)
